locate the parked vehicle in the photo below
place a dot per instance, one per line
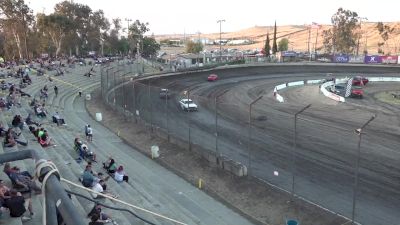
(187, 105)
(359, 80)
(212, 77)
(164, 93)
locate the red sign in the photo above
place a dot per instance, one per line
(389, 59)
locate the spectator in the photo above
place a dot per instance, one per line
(58, 119)
(98, 187)
(4, 193)
(44, 139)
(110, 165)
(94, 220)
(120, 175)
(29, 120)
(21, 179)
(17, 122)
(17, 205)
(34, 131)
(100, 216)
(41, 111)
(11, 139)
(88, 178)
(55, 90)
(88, 133)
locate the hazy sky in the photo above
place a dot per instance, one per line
(177, 16)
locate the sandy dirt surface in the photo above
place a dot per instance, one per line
(261, 203)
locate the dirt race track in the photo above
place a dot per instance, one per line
(326, 151)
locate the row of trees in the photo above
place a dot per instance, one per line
(343, 37)
(73, 29)
(345, 33)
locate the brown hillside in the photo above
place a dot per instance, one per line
(298, 37)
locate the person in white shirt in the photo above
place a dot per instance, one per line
(98, 187)
(120, 176)
(89, 133)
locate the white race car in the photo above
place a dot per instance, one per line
(187, 105)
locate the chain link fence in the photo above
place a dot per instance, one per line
(309, 156)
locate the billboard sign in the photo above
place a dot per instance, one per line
(289, 54)
(372, 59)
(389, 59)
(342, 58)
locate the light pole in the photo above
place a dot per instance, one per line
(249, 141)
(220, 33)
(187, 98)
(359, 36)
(358, 132)
(216, 120)
(128, 20)
(295, 145)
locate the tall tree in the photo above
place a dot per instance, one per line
(193, 47)
(136, 34)
(15, 21)
(150, 47)
(342, 37)
(56, 26)
(267, 47)
(384, 31)
(283, 44)
(274, 45)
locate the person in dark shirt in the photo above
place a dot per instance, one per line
(95, 220)
(16, 204)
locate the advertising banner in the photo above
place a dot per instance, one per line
(398, 60)
(289, 54)
(342, 58)
(390, 59)
(372, 59)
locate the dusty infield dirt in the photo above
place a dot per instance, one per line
(257, 201)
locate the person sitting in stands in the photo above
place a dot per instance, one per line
(98, 187)
(87, 154)
(29, 120)
(58, 120)
(17, 122)
(41, 111)
(21, 179)
(4, 193)
(11, 139)
(34, 131)
(16, 204)
(110, 165)
(120, 175)
(44, 139)
(88, 178)
(99, 215)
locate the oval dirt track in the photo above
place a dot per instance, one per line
(326, 143)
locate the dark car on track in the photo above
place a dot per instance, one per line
(164, 93)
(359, 80)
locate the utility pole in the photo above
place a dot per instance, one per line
(249, 137)
(358, 132)
(295, 146)
(128, 20)
(360, 34)
(220, 36)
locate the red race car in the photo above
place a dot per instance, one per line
(212, 77)
(359, 80)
